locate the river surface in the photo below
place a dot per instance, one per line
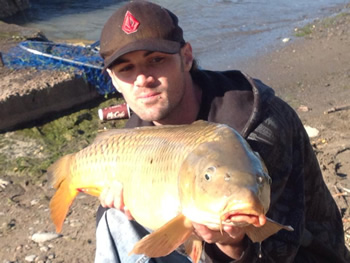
(222, 32)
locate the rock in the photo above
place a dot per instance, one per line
(44, 249)
(43, 237)
(11, 224)
(34, 202)
(30, 258)
(303, 108)
(11, 35)
(11, 7)
(25, 96)
(3, 183)
(41, 259)
(29, 94)
(19, 248)
(312, 132)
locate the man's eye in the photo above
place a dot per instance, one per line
(157, 59)
(126, 68)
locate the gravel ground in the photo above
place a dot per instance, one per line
(312, 73)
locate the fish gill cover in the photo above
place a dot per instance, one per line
(84, 61)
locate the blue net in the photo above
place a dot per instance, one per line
(84, 62)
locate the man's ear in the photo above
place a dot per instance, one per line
(112, 76)
(187, 56)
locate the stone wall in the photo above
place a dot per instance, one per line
(11, 7)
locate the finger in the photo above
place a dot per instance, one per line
(128, 213)
(110, 200)
(102, 198)
(119, 199)
(124, 208)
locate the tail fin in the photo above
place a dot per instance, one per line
(59, 175)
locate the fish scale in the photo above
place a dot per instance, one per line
(166, 148)
(171, 176)
(123, 155)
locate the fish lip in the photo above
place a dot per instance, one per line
(252, 208)
(243, 218)
(233, 214)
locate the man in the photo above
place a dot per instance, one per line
(152, 66)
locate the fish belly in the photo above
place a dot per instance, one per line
(146, 161)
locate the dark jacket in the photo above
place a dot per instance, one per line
(299, 196)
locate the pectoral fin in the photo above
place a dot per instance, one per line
(166, 239)
(194, 248)
(94, 191)
(258, 234)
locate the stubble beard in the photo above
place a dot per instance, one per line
(167, 110)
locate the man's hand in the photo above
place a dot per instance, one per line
(112, 197)
(230, 241)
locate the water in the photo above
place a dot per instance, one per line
(222, 32)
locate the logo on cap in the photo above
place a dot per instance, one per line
(130, 23)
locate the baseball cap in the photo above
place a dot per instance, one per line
(140, 25)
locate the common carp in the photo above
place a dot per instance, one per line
(172, 175)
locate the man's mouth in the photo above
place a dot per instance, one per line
(150, 96)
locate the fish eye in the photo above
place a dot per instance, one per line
(207, 177)
(209, 173)
(259, 179)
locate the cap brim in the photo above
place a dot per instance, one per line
(156, 45)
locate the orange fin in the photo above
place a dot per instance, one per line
(60, 203)
(194, 248)
(94, 191)
(166, 239)
(107, 134)
(59, 177)
(59, 170)
(258, 234)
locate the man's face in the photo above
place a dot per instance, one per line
(152, 83)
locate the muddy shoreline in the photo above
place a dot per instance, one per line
(312, 73)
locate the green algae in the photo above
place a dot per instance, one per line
(304, 31)
(26, 153)
(327, 22)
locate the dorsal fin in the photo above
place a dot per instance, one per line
(106, 134)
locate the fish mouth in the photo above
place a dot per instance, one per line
(243, 219)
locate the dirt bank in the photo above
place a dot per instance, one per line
(312, 73)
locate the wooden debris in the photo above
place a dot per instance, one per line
(338, 108)
(303, 108)
(1, 61)
(340, 194)
(345, 189)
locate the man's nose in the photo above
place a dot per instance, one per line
(144, 79)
